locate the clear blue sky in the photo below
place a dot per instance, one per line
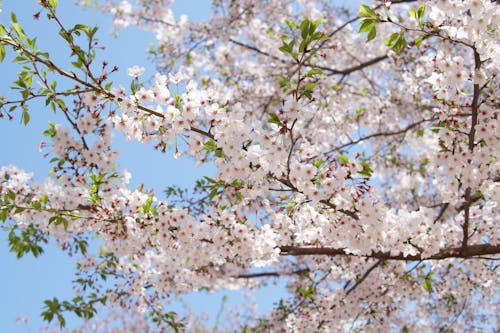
(25, 283)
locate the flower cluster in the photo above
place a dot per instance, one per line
(360, 172)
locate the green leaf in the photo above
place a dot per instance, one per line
(77, 64)
(310, 86)
(53, 3)
(290, 24)
(148, 208)
(219, 153)
(367, 25)
(287, 48)
(210, 146)
(343, 159)
(314, 71)
(304, 28)
(418, 41)
(313, 26)
(284, 82)
(318, 163)
(36, 205)
(82, 27)
(274, 119)
(413, 13)
(16, 25)
(392, 39)
(133, 88)
(366, 11)
(359, 111)
(31, 42)
(307, 292)
(396, 41)
(213, 193)
(26, 117)
(367, 170)
(57, 220)
(61, 104)
(421, 11)
(303, 45)
(178, 100)
(210, 180)
(371, 35)
(11, 195)
(3, 215)
(427, 284)
(284, 49)
(2, 52)
(51, 132)
(400, 45)
(308, 94)
(44, 198)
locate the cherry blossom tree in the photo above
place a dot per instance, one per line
(356, 157)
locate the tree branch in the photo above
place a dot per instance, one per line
(273, 274)
(352, 69)
(452, 252)
(472, 133)
(363, 277)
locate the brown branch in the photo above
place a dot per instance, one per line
(452, 252)
(273, 274)
(374, 135)
(353, 68)
(358, 282)
(363, 277)
(331, 71)
(255, 49)
(33, 96)
(472, 133)
(465, 226)
(331, 205)
(444, 207)
(349, 213)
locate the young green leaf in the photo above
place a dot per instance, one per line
(372, 34)
(26, 117)
(418, 41)
(2, 52)
(366, 11)
(274, 119)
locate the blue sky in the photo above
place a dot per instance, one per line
(25, 283)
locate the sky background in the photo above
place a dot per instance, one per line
(26, 283)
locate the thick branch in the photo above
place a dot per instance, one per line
(472, 133)
(452, 252)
